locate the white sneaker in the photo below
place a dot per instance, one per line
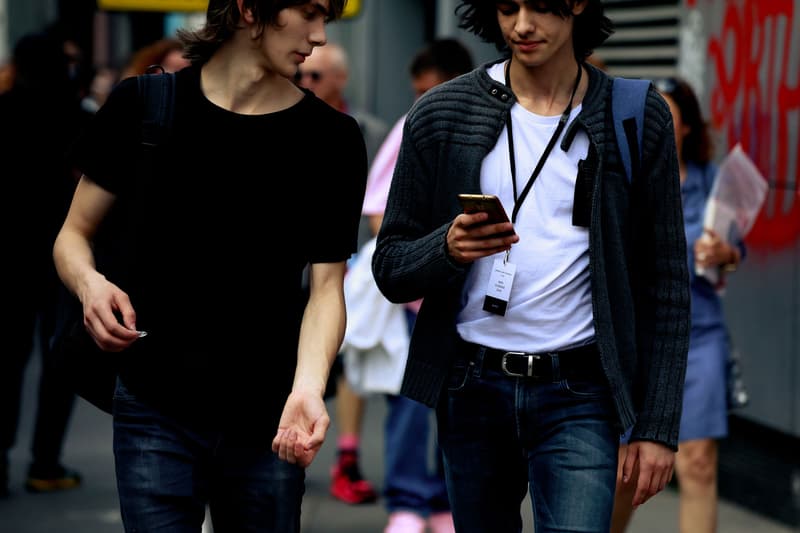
(405, 522)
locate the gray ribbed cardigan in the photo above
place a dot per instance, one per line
(637, 249)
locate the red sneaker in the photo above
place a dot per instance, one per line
(347, 484)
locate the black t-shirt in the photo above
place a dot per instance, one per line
(215, 239)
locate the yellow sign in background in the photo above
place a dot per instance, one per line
(154, 5)
(351, 9)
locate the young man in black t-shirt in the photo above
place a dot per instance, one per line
(221, 402)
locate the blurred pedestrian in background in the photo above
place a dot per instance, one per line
(539, 347)
(167, 52)
(326, 72)
(221, 403)
(100, 86)
(704, 419)
(415, 492)
(40, 115)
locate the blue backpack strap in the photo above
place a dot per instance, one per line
(157, 95)
(628, 97)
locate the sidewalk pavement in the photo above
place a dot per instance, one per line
(93, 508)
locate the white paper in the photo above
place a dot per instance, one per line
(736, 198)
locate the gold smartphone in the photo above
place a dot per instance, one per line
(488, 203)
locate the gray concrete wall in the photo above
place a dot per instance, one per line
(381, 41)
(25, 16)
(5, 49)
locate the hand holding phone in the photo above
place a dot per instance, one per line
(487, 203)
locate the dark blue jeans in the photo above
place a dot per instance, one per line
(167, 473)
(414, 477)
(500, 435)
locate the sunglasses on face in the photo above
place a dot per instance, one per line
(315, 75)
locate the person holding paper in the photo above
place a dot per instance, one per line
(704, 418)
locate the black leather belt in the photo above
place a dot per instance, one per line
(574, 363)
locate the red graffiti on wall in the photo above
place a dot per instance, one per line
(749, 41)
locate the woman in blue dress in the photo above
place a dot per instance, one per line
(704, 419)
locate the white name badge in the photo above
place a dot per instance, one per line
(498, 293)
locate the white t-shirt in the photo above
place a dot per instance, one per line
(550, 307)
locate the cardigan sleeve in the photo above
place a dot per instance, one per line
(663, 316)
(411, 258)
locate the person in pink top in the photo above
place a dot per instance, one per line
(326, 73)
(415, 495)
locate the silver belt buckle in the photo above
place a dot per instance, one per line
(528, 374)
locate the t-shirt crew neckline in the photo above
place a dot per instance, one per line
(200, 96)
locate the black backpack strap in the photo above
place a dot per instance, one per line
(157, 96)
(157, 99)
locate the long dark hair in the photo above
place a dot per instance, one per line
(697, 146)
(222, 21)
(591, 29)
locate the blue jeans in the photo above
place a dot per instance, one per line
(500, 434)
(167, 473)
(414, 477)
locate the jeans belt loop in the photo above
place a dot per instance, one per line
(530, 356)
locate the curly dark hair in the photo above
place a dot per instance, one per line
(222, 20)
(591, 29)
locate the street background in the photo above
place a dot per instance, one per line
(742, 57)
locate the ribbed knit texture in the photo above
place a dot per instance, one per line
(639, 277)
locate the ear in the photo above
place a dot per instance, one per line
(578, 6)
(245, 13)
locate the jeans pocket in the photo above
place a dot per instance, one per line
(459, 375)
(585, 388)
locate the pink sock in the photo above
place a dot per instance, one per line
(441, 522)
(348, 442)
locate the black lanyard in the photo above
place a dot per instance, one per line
(561, 124)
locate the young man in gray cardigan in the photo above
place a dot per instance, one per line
(540, 348)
